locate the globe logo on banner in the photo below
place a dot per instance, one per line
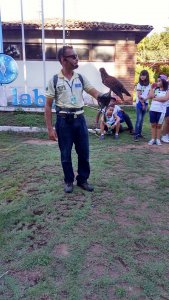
(8, 69)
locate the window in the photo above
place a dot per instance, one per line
(13, 49)
(33, 51)
(82, 51)
(50, 51)
(103, 53)
(86, 52)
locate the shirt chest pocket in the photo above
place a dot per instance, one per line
(60, 89)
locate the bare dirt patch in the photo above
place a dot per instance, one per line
(98, 270)
(159, 149)
(158, 218)
(147, 179)
(137, 208)
(130, 200)
(96, 249)
(91, 297)
(123, 219)
(95, 264)
(133, 291)
(61, 250)
(165, 164)
(64, 208)
(28, 277)
(142, 257)
(116, 269)
(94, 270)
(100, 215)
(45, 297)
(38, 234)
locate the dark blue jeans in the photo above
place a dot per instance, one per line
(140, 113)
(73, 131)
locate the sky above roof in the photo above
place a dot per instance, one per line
(144, 12)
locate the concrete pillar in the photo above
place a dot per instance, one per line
(3, 98)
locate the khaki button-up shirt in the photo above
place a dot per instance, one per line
(69, 92)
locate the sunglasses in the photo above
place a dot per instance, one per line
(74, 56)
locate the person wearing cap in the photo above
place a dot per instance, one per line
(160, 98)
(70, 127)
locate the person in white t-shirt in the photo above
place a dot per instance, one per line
(165, 127)
(160, 97)
(109, 122)
(143, 88)
(124, 117)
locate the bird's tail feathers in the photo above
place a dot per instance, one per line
(126, 92)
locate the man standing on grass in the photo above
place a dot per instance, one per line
(70, 125)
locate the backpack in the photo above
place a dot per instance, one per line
(55, 80)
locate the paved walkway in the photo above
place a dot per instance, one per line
(22, 129)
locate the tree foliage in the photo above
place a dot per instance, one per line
(162, 69)
(154, 48)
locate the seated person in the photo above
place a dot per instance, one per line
(109, 122)
(124, 117)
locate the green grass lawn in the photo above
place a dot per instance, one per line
(21, 118)
(107, 245)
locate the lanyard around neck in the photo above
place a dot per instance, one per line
(70, 85)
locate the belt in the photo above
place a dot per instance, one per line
(66, 115)
(68, 110)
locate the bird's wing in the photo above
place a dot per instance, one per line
(118, 93)
(115, 85)
(118, 86)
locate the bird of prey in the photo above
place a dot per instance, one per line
(114, 84)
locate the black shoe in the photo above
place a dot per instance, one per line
(86, 186)
(141, 136)
(132, 132)
(68, 187)
(136, 138)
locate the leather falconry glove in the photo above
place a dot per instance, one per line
(104, 99)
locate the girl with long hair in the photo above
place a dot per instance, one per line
(143, 88)
(160, 97)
